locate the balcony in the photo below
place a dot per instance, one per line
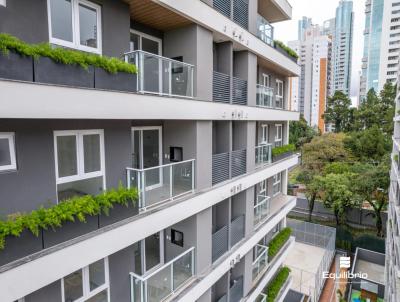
(166, 280)
(162, 76)
(262, 209)
(230, 90)
(236, 10)
(263, 154)
(228, 165)
(261, 262)
(264, 96)
(163, 183)
(265, 31)
(232, 233)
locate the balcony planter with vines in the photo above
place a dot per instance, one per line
(279, 153)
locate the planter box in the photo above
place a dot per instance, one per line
(282, 51)
(16, 67)
(48, 71)
(69, 230)
(281, 156)
(19, 247)
(120, 81)
(118, 213)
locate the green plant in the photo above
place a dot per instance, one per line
(288, 50)
(276, 284)
(278, 241)
(63, 56)
(283, 149)
(396, 158)
(75, 208)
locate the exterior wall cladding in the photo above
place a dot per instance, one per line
(211, 194)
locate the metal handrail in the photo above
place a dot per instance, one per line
(157, 56)
(145, 278)
(161, 166)
(265, 200)
(262, 254)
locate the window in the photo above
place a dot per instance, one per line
(263, 187)
(264, 133)
(266, 80)
(278, 135)
(79, 162)
(75, 24)
(276, 187)
(89, 284)
(7, 152)
(279, 94)
(141, 41)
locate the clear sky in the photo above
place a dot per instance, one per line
(319, 11)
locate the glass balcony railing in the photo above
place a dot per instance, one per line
(161, 75)
(263, 154)
(162, 183)
(262, 209)
(265, 31)
(164, 281)
(265, 96)
(279, 102)
(261, 262)
(262, 298)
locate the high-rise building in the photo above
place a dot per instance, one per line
(392, 265)
(390, 43)
(342, 45)
(192, 131)
(372, 47)
(303, 25)
(311, 90)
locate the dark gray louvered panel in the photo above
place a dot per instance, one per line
(221, 87)
(223, 6)
(219, 243)
(220, 167)
(237, 230)
(239, 91)
(236, 290)
(238, 162)
(241, 12)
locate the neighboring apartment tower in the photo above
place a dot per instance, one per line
(390, 43)
(193, 131)
(312, 86)
(342, 44)
(392, 265)
(303, 25)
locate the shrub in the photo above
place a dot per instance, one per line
(63, 55)
(278, 241)
(283, 149)
(75, 208)
(288, 50)
(276, 284)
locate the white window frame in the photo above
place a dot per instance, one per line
(87, 294)
(263, 187)
(149, 37)
(278, 135)
(76, 44)
(277, 181)
(80, 156)
(266, 80)
(10, 136)
(264, 133)
(279, 94)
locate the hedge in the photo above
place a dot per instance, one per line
(278, 241)
(283, 149)
(69, 210)
(276, 284)
(63, 56)
(288, 50)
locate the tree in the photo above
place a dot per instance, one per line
(322, 150)
(372, 186)
(335, 192)
(300, 132)
(368, 145)
(339, 113)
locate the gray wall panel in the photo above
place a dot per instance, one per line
(49, 293)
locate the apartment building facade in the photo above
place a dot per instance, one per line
(193, 131)
(392, 253)
(313, 86)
